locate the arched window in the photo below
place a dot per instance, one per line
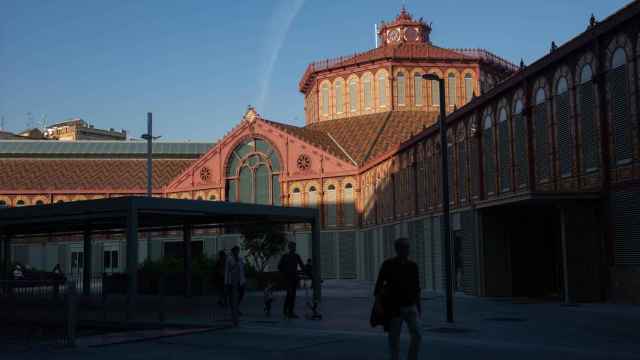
(199, 198)
(353, 95)
(324, 99)
(488, 158)
(588, 127)
(565, 138)
(339, 97)
(253, 173)
(39, 202)
(435, 93)
(348, 205)
(541, 138)
(3, 203)
(468, 87)
(296, 199)
(59, 201)
(462, 163)
(20, 203)
(368, 93)
(330, 203)
(452, 90)
(312, 197)
(520, 145)
(212, 197)
(400, 86)
(503, 150)
(382, 90)
(417, 89)
(620, 119)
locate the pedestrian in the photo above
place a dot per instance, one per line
(234, 280)
(288, 266)
(268, 298)
(397, 294)
(218, 278)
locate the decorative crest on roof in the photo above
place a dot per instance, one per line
(251, 114)
(404, 28)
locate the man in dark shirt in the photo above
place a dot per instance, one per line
(398, 291)
(289, 267)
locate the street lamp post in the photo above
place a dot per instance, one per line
(444, 169)
(149, 137)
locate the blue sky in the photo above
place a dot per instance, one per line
(198, 64)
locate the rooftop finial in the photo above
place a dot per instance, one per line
(251, 114)
(521, 63)
(554, 47)
(592, 21)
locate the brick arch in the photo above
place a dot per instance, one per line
(540, 83)
(562, 71)
(412, 87)
(79, 198)
(586, 59)
(456, 73)
(367, 75)
(348, 94)
(619, 41)
(63, 198)
(44, 199)
(329, 99)
(518, 95)
(6, 199)
(430, 88)
(334, 96)
(185, 196)
(502, 104)
(474, 82)
(488, 112)
(406, 73)
(201, 194)
(333, 182)
(25, 199)
(387, 89)
(213, 195)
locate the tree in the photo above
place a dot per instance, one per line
(262, 242)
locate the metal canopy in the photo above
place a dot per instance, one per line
(109, 214)
(133, 214)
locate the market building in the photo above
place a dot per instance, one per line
(544, 165)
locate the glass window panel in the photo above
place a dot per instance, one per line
(331, 206)
(276, 190)
(246, 185)
(586, 74)
(232, 190)
(468, 87)
(353, 95)
(435, 93)
(253, 160)
(562, 86)
(518, 107)
(324, 99)
(400, 88)
(622, 134)
(339, 97)
(367, 92)
(541, 142)
(107, 259)
(565, 143)
(520, 149)
(232, 167)
(245, 148)
(262, 185)
(382, 90)
(114, 259)
(417, 91)
(452, 90)
(619, 58)
(263, 147)
(540, 96)
(588, 127)
(349, 209)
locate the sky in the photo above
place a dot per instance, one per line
(197, 64)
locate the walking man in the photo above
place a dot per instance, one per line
(234, 280)
(398, 290)
(288, 266)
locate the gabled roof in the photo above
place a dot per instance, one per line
(100, 149)
(86, 174)
(367, 136)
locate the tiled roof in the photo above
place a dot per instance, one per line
(111, 149)
(364, 137)
(313, 137)
(86, 174)
(5, 135)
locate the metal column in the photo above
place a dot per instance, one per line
(132, 258)
(315, 258)
(88, 256)
(186, 237)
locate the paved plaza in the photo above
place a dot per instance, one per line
(484, 328)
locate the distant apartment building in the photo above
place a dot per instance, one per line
(78, 129)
